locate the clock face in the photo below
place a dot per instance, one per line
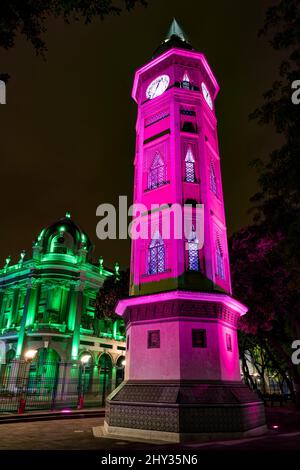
(206, 95)
(157, 86)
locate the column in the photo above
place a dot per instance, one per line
(96, 379)
(33, 305)
(115, 329)
(64, 304)
(113, 377)
(77, 309)
(30, 299)
(1, 304)
(71, 308)
(1, 299)
(14, 309)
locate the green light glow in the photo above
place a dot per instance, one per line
(47, 301)
(60, 257)
(117, 269)
(75, 350)
(41, 235)
(115, 330)
(101, 261)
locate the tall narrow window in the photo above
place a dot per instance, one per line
(153, 339)
(156, 255)
(228, 342)
(193, 251)
(213, 180)
(189, 166)
(157, 172)
(219, 260)
(199, 338)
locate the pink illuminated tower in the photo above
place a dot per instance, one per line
(182, 367)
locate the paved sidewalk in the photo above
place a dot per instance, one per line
(72, 434)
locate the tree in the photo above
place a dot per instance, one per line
(277, 204)
(114, 288)
(28, 17)
(265, 256)
(262, 281)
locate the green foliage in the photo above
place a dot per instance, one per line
(265, 257)
(28, 17)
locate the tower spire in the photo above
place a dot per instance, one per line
(176, 30)
(176, 37)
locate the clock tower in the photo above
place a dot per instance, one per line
(182, 366)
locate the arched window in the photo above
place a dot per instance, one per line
(156, 255)
(189, 166)
(219, 260)
(105, 364)
(213, 180)
(157, 172)
(193, 251)
(62, 243)
(120, 370)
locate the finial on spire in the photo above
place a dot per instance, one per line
(22, 256)
(176, 30)
(68, 215)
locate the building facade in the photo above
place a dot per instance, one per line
(47, 305)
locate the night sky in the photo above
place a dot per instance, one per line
(67, 131)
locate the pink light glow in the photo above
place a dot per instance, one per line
(181, 295)
(175, 123)
(66, 411)
(187, 54)
(164, 128)
(275, 426)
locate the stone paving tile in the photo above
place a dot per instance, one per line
(76, 434)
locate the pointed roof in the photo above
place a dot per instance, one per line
(176, 37)
(176, 30)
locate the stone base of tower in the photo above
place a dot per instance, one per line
(182, 411)
(182, 371)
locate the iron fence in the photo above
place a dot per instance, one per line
(32, 386)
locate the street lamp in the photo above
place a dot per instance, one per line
(85, 359)
(29, 355)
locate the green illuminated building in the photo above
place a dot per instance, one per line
(47, 304)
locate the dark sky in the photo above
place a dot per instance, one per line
(67, 131)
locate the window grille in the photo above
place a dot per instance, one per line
(189, 166)
(219, 261)
(157, 172)
(193, 252)
(156, 255)
(213, 180)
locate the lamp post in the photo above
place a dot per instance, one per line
(85, 359)
(28, 356)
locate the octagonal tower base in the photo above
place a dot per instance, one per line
(182, 374)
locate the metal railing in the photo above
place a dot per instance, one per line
(26, 386)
